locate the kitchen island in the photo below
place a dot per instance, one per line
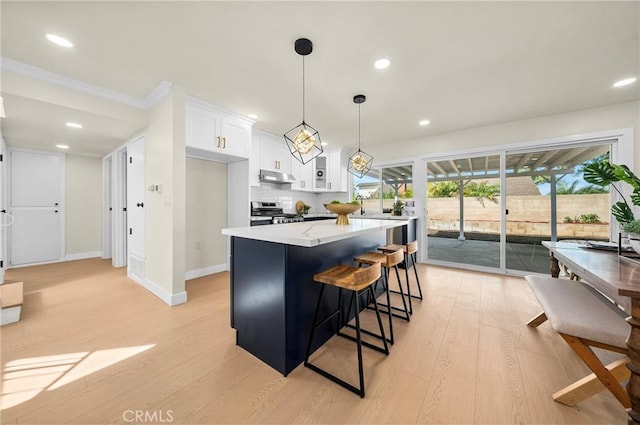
(273, 295)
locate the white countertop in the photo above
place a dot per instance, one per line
(312, 233)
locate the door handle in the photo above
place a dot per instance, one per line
(224, 143)
(140, 204)
(4, 211)
(218, 139)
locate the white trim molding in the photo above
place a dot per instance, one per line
(156, 95)
(205, 271)
(158, 291)
(82, 255)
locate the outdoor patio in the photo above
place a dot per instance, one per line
(529, 257)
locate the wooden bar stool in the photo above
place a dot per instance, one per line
(357, 281)
(410, 251)
(387, 261)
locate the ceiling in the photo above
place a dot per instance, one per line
(458, 64)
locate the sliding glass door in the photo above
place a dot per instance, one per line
(463, 211)
(547, 199)
(494, 211)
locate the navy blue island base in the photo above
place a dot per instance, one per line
(273, 295)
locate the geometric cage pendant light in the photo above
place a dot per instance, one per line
(303, 140)
(360, 162)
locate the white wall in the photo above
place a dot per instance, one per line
(622, 115)
(206, 214)
(165, 165)
(83, 206)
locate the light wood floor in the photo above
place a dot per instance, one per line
(93, 346)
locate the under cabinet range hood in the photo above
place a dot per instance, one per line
(269, 176)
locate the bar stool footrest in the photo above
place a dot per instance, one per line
(406, 316)
(368, 332)
(335, 379)
(365, 343)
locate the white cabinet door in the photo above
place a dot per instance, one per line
(254, 161)
(203, 128)
(236, 138)
(337, 171)
(35, 235)
(215, 135)
(274, 154)
(303, 174)
(136, 217)
(36, 203)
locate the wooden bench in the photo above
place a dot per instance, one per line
(585, 318)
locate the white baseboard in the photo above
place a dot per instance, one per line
(158, 291)
(83, 255)
(193, 274)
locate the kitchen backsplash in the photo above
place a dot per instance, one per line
(269, 192)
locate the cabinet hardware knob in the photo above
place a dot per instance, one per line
(218, 139)
(55, 211)
(140, 204)
(224, 143)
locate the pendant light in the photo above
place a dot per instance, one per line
(360, 162)
(303, 140)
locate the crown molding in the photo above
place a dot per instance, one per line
(156, 95)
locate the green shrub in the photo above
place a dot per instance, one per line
(632, 227)
(589, 218)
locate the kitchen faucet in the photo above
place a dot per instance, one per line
(359, 197)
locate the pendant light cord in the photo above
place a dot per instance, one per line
(303, 90)
(358, 126)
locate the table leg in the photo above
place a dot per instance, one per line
(555, 267)
(633, 344)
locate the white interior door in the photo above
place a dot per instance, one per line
(36, 204)
(35, 237)
(4, 218)
(135, 207)
(107, 213)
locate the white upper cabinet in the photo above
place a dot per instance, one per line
(303, 175)
(214, 134)
(337, 171)
(269, 152)
(330, 171)
(274, 154)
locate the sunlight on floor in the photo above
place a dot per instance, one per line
(26, 378)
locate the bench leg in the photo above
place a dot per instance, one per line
(602, 373)
(538, 320)
(590, 385)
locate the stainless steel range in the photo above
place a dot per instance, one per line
(270, 213)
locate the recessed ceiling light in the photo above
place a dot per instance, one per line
(252, 116)
(625, 82)
(60, 41)
(382, 63)
(62, 146)
(424, 122)
(74, 125)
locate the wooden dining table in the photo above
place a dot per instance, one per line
(619, 276)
